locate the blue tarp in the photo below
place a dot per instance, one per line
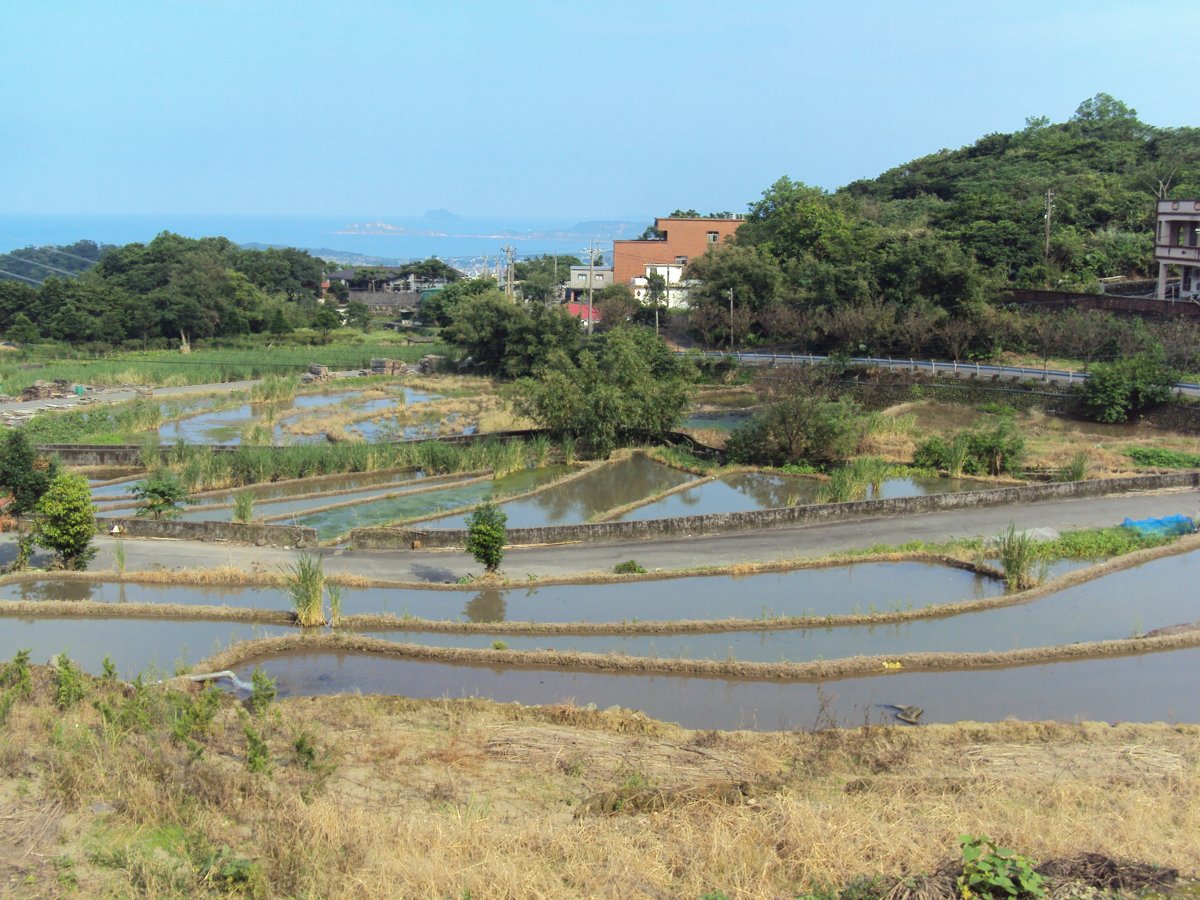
(1164, 527)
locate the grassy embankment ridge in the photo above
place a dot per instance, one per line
(111, 789)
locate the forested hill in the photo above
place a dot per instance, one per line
(1103, 167)
(35, 264)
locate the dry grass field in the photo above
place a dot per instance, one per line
(142, 790)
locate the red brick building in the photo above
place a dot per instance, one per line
(686, 239)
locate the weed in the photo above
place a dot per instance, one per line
(334, 593)
(119, 558)
(567, 445)
(243, 507)
(990, 871)
(69, 687)
(1076, 468)
(305, 584)
(1017, 551)
(108, 670)
(629, 567)
(258, 754)
(499, 645)
(1163, 458)
(538, 451)
(263, 691)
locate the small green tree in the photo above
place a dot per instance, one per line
(326, 320)
(23, 473)
(161, 495)
(486, 535)
(65, 520)
(1116, 391)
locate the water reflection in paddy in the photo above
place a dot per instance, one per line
(817, 592)
(749, 491)
(1146, 688)
(134, 645)
(605, 487)
(331, 523)
(1118, 606)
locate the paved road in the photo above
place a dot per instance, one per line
(932, 366)
(766, 545)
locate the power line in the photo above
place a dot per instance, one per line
(72, 255)
(34, 262)
(22, 277)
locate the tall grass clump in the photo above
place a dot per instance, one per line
(274, 388)
(305, 584)
(958, 456)
(569, 449)
(538, 451)
(243, 507)
(843, 486)
(1076, 468)
(1017, 552)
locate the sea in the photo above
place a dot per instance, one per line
(363, 240)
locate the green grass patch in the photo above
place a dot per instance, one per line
(1162, 458)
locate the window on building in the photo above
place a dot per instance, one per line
(681, 260)
(713, 237)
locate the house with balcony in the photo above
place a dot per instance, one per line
(1177, 246)
(682, 240)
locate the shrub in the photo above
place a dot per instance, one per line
(993, 451)
(161, 495)
(486, 535)
(262, 692)
(65, 521)
(1116, 391)
(23, 473)
(629, 567)
(1163, 458)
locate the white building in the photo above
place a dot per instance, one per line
(1177, 245)
(672, 273)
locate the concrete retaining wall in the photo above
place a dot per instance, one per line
(396, 538)
(238, 532)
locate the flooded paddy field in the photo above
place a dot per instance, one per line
(834, 590)
(290, 421)
(1149, 687)
(334, 522)
(750, 491)
(134, 645)
(605, 487)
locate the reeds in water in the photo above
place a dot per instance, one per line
(1016, 550)
(305, 584)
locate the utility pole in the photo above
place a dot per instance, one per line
(1046, 251)
(591, 252)
(731, 320)
(509, 285)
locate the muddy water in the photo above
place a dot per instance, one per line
(331, 523)
(118, 489)
(135, 645)
(723, 421)
(606, 487)
(1118, 606)
(1147, 688)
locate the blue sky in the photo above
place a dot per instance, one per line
(561, 109)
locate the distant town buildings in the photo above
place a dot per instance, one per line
(1176, 245)
(682, 241)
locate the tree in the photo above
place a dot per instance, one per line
(161, 495)
(1116, 391)
(486, 535)
(326, 320)
(22, 330)
(23, 473)
(624, 384)
(65, 520)
(358, 315)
